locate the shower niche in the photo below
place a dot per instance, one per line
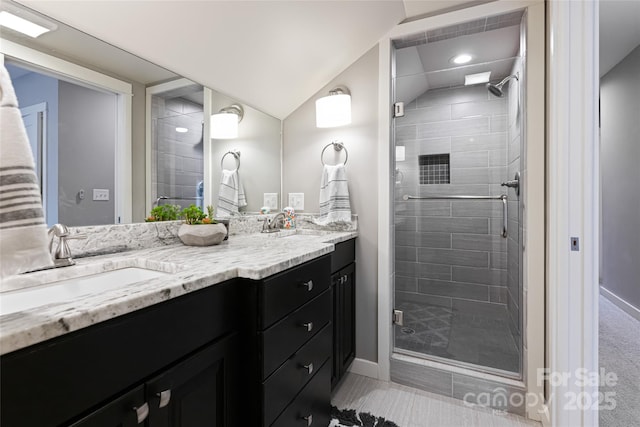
(458, 232)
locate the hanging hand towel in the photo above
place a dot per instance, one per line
(231, 194)
(334, 196)
(23, 232)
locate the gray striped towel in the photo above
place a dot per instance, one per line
(231, 194)
(23, 231)
(334, 196)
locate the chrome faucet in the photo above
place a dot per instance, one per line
(274, 225)
(62, 255)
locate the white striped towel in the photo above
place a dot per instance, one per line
(231, 194)
(23, 232)
(334, 196)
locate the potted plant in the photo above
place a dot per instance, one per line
(164, 213)
(200, 229)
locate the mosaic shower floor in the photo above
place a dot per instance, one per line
(465, 337)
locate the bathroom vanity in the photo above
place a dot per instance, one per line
(231, 338)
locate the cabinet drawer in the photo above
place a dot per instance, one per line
(312, 406)
(290, 378)
(282, 293)
(284, 338)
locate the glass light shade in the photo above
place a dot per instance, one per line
(400, 153)
(333, 110)
(224, 126)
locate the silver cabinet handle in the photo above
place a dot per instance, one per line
(308, 285)
(165, 397)
(308, 325)
(142, 412)
(309, 368)
(309, 419)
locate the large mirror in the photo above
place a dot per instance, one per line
(104, 133)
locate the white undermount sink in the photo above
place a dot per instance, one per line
(70, 289)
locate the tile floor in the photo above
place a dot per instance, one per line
(408, 407)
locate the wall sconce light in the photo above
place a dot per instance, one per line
(224, 124)
(335, 109)
(400, 153)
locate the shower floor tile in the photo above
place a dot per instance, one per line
(461, 336)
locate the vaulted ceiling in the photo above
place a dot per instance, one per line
(270, 54)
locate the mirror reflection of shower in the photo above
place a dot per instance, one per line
(177, 146)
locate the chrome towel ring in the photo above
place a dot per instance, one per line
(338, 146)
(236, 155)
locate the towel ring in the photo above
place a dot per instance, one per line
(235, 154)
(338, 146)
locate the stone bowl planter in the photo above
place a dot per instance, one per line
(202, 234)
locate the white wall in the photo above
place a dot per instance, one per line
(303, 143)
(259, 143)
(86, 154)
(620, 150)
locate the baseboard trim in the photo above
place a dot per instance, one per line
(545, 416)
(365, 368)
(620, 303)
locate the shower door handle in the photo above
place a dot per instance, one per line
(505, 216)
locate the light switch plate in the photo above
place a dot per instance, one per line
(271, 200)
(296, 201)
(101, 194)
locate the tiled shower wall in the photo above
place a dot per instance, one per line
(177, 157)
(451, 253)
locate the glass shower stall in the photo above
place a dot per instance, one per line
(457, 213)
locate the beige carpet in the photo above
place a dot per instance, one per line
(620, 353)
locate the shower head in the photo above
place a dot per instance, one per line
(496, 89)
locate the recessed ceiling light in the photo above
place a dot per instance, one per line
(182, 130)
(21, 25)
(463, 58)
(474, 79)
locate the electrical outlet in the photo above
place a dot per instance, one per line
(296, 201)
(271, 200)
(101, 194)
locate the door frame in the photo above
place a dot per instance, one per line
(41, 107)
(534, 185)
(573, 210)
(77, 74)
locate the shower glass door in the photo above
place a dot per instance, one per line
(457, 229)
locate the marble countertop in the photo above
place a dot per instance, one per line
(251, 256)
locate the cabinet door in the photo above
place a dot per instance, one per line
(129, 410)
(199, 392)
(344, 318)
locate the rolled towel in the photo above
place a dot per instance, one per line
(231, 194)
(23, 231)
(334, 196)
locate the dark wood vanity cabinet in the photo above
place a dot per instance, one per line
(240, 353)
(172, 364)
(291, 335)
(343, 285)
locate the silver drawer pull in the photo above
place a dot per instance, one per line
(309, 326)
(308, 285)
(165, 397)
(309, 368)
(142, 412)
(308, 419)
